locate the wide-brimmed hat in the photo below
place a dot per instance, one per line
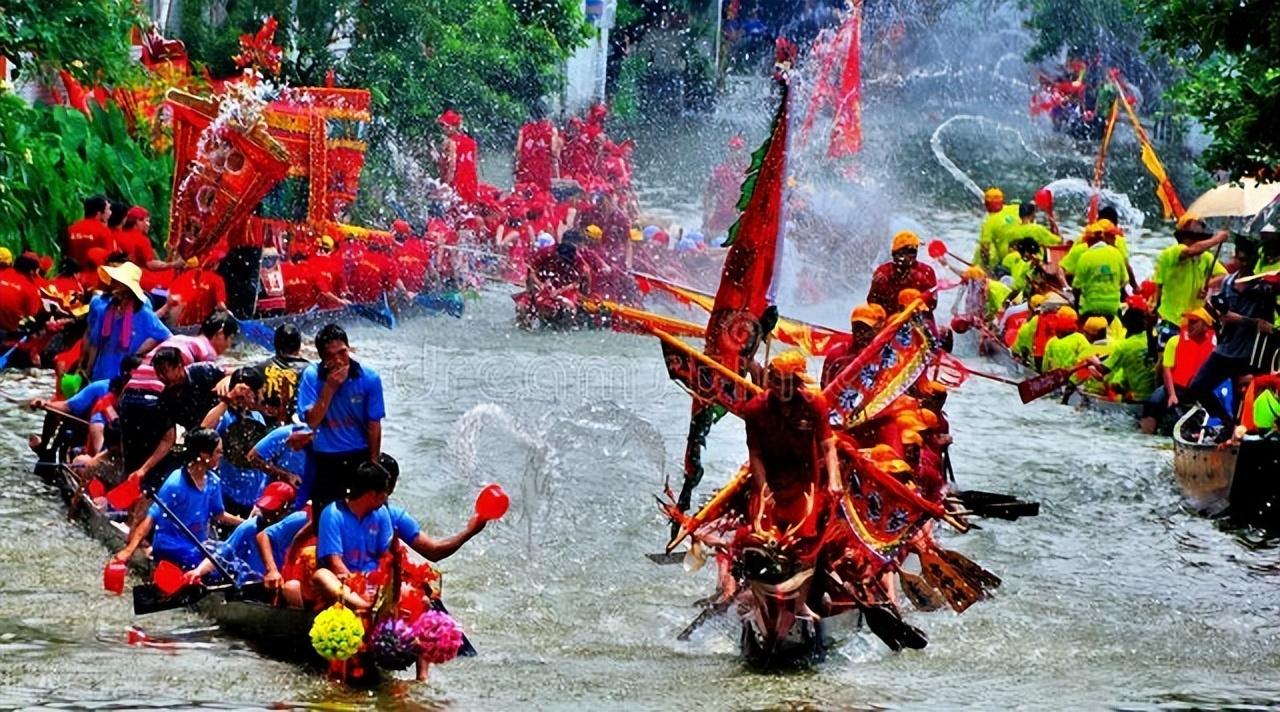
(126, 273)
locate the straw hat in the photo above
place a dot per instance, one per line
(126, 273)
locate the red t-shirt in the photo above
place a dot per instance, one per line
(157, 278)
(553, 271)
(19, 298)
(534, 154)
(465, 179)
(787, 438)
(372, 275)
(886, 283)
(86, 234)
(303, 284)
(411, 262)
(201, 290)
(137, 245)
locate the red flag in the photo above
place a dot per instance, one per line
(754, 242)
(846, 132)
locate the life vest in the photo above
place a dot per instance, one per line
(1012, 324)
(1189, 356)
(1044, 331)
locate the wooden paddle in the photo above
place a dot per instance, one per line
(889, 627)
(958, 588)
(995, 506)
(1043, 384)
(923, 596)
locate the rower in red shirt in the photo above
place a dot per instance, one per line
(307, 284)
(327, 260)
(19, 296)
(458, 157)
(904, 272)
(195, 295)
(91, 231)
(538, 152)
(134, 240)
(374, 273)
(411, 256)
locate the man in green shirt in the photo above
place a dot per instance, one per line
(1008, 235)
(998, 215)
(1183, 273)
(1100, 274)
(1128, 368)
(1066, 349)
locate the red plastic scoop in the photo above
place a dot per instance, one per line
(168, 578)
(937, 249)
(123, 495)
(492, 502)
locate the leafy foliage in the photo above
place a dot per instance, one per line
(51, 158)
(1231, 53)
(88, 38)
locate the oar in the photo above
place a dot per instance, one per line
(45, 408)
(938, 249)
(995, 506)
(450, 304)
(379, 312)
(1043, 384)
(4, 358)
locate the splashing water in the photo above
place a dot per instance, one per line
(537, 472)
(1130, 216)
(935, 143)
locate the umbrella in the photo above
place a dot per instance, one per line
(1242, 199)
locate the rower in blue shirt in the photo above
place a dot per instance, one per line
(193, 493)
(356, 531)
(241, 552)
(283, 454)
(341, 401)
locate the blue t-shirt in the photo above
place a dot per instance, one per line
(81, 403)
(194, 507)
(361, 542)
(242, 486)
(281, 535)
(242, 545)
(146, 325)
(274, 449)
(357, 403)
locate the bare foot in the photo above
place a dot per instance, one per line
(34, 442)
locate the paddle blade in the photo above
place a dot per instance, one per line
(168, 578)
(123, 495)
(889, 627)
(959, 591)
(1044, 384)
(923, 596)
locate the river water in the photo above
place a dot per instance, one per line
(1113, 597)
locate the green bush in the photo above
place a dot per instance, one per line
(52, 157)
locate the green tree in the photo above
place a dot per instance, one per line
(87, 38)
(1231, 54)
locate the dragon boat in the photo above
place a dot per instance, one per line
(243, 609)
